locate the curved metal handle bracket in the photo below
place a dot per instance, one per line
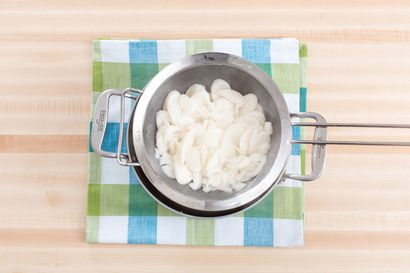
(318, 150)
(100, 120)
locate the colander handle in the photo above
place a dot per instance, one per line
(100, 120)
(318, 150)
(319, 141)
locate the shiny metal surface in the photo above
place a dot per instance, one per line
(318, 149)
(100, 120)
(353, 125)
(204, 68)
(351, 142)
(319, 141)
(99, 123)
(122, 159)
(244, 77)
(324, 124)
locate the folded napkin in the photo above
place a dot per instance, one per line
(119, 209)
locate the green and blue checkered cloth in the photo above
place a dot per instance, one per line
(119, 209)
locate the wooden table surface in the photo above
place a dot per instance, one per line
(357, 216)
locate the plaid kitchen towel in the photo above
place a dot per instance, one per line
(119, 209)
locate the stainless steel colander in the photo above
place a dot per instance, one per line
(242, 76)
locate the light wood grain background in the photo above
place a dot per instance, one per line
(357, 215)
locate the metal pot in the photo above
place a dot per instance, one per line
(243, 76)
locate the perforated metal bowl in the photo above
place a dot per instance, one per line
(242, 76)
(203, 69)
